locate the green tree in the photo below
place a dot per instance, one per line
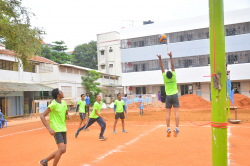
(57, 53)
(91, 85)
(59, 46)
(16, 31)
(62, 57)
(86, 55)
(46, 52)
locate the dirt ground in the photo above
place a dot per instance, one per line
(145, 143)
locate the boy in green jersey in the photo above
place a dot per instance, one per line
(119, 107)
(170, 82)
(95, 116)
(81, 106)
(57, 111)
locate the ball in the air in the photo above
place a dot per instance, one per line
(162, 38)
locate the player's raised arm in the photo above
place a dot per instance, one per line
(162, 68)
(172, 62)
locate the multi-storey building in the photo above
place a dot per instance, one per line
(109, 57)
(188, 39)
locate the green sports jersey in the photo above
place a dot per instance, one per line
(119, 106)
(97, 106)
(57, 116)
(82, 105)
(170, 84)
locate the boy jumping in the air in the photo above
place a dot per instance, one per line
(81, 106)
(170, 82)
(141, 105)
(119, 107)
(57, 111)
(95, 116)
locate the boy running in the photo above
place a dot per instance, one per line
(57, 111)
(170, 82)
(95, 117)
(81, 106)
(87, 103)
(141, 105)
(119, 107)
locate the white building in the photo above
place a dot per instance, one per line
(109, 58)
(108, 53)
(188, 39)
(18, 85)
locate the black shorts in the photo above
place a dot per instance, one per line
(82, 116)
(172, 100)
(61, 137)
(119, 115)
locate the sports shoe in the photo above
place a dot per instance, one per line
(114, 132)
(140, 115)
(43, 163)
(86, 129)
(102, 138)
(168, 133)
(76, 134)
(176, 132)
(124, 131)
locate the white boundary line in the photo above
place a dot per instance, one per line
(22, 132)
(127, 125)
(128, 143)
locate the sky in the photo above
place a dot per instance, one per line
(79, 21)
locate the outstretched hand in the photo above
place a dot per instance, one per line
(159, 56)
(170, 54)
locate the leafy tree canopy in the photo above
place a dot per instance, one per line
(59, 46)
(16, 31)
(86, 55)
(91, 84)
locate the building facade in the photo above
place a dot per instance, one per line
(19, 86)
(188, 39)
(108, 53)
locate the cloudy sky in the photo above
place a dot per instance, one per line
(78, 21)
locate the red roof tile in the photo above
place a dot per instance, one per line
(42, 42)
(2, 45)
(8, 52)
(42, 59)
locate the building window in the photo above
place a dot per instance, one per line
(236, 87)
(230, 32)
(144, 90)
(110, 50)
(102, 52)
(67, 91)
(46, 68)
(30, 69)
(106, 77)
(110, 65)
(70, 70)
(80, 90)
(186, 89)
(138, 90)
(102, 66)
(141, 43)
(82, 72)
(232, 59)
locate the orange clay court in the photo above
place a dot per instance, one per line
(26, 143)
